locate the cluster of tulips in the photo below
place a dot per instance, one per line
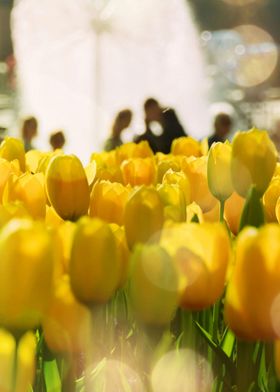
(141, 236)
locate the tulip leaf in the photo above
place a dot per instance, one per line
(52, 378)
(228, 342)
(252, 214)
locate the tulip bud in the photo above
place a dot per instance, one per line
(164, 165)
(270, 198)
(233, 210)
(32, 159)
(252, 298)
(133, 150)
(67, 187)
(143, 217)
(187, 146)
(67, 323)
(25, 365)
(139, 171)
(201, 253)
(26, 273)
(30, 190)
(196, 171)
(94, 265)
(12, 149)
(154, 285)
(123, 252)
(6, 171)
(253, 162)
(218, 171)
(107, 201)
(178, 178)
(12, 210)
(173, 201)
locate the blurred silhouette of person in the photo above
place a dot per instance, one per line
(167, 119)
(121, 122)
(29, 131)
(2, 133)
(57, 140)
(222, 127)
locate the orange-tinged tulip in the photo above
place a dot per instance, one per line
(253, 161)
(201, 253)
(196, 171)
(213, 215)
(67, 323)
(154, 285)
(26, 273)
(270, 198)
(173, 199)
(180, 179)
(139, 171)
(252, 298)
(67, 187)
(218, 171)
(144, 216)
(11, 149)
(187, 146)
(30, 190)
(94, 265)
(26, 362)
(233, 211)
(108, 200)
(123, 252)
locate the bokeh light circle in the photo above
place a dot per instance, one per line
(182, 371)
(254, 57)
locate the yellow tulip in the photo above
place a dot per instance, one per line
(187, 146)
(107, 201)
(65, 233)
(270, 198)
(6, 171)
(180, 179)
(11, 149)
(213, 215)
(254, 159)
(252, 298)
(164, 165)
(26, 273)
(154, 285)
(26, 362)
(218, 171)
(144, 216)
(12, 210)
(32, 159)
(196, 171)
(139, 171)
(7, 360)
(94, 265)
(67, 187)
(52, 219)
(123, 252)
(67, 322)
(133, 150)
(201, 253)
(30, 190)
(277, 209)
(173, 200)
(194, 211)
(233, 210)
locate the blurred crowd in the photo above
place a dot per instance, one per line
(162, 126)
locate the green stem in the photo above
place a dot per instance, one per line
(222, 210)
(245, 376)
(68, 382)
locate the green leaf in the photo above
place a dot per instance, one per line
(52, 378)
(252, 214)
(228, 342)
(195, 219)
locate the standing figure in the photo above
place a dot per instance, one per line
(121, 122)
(29, 131)
(222, 127)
